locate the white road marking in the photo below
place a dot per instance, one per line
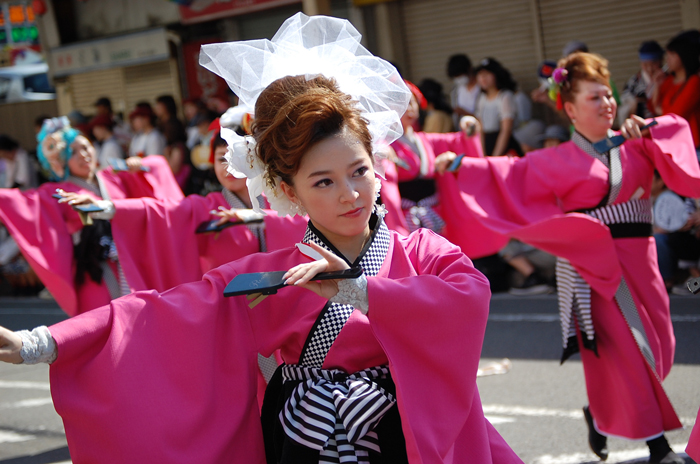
(25, 385)
(12, 437)
(638, 455)
(32, 403)
(548, 317)
(528, 411)
(495, 420)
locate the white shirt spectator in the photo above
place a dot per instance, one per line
(109, 149)
(149, 143)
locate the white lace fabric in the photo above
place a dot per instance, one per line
(353, 292)
(38, 346)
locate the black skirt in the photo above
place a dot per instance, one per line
(279, 449)
(490, 139)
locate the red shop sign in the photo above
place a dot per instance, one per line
(226, 8)
(201, 83)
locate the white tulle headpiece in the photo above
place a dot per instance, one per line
(308, 46)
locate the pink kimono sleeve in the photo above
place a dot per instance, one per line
(391, 198)
(158, 182)
(165, 377)
(156, 242)
(516, 197)
(431, 326)
(36, 222)
(456, 142)
(672, 151)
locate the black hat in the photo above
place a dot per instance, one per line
(103, 101)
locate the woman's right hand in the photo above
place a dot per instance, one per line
(75, 199)
(443, 161)
(10, 346)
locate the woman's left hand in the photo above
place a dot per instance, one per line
(225, 215)
(75, 199)
(302, 274)
(632, 128)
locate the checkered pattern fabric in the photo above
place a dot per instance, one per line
(336, 315)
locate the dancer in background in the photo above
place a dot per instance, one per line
(592, 210)
(79, 268)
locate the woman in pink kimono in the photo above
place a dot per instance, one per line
(171, 377)
(416, 196)
(168, 251)
(591, 209)
(77, 265)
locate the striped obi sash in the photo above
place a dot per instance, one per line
(574, 293)
(421, 214)
(335, 412)
(330, 410)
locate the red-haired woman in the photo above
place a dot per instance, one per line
(171, 377)
(592, 210)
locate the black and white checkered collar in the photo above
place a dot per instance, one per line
(372, 255)
(586, 145)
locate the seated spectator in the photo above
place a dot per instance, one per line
(122, 132)
(147, 139)
(466, 90)
(16, 169)
(107, 146)
(438, 114)
(496, 109)
(640, 87)
(678, 91)
(554, 135)
(529, 136)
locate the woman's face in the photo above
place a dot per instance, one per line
(593, 109)
(486, 79)
(673, 61)
(83, 161)
(226, 180)
(336, 186)
(411, 115)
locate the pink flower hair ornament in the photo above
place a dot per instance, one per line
(558, 79)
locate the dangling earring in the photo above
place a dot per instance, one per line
(299, 209)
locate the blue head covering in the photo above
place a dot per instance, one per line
(67, 134)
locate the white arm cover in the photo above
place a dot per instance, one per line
(38, 346)
(353, 292)
(107, 212)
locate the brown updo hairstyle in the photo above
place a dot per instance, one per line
(292, 114)
(582, 67)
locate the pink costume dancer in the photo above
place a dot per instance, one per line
(589, 205)
(171, 377)
(44, 229)
(167, 252)
(416, 196)
(536, 199)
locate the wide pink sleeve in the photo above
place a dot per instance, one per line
(156, 242)
(158, 182)
(456, 142)
(431, 327)
(516, 197)
(672, 151)
(36, 222)
(168, 377)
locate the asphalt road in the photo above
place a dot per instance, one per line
(536, 405)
